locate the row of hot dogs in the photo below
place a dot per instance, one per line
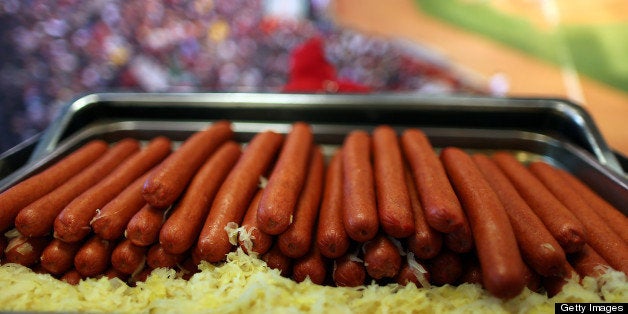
(385, 207)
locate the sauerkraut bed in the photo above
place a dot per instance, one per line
(246, 284)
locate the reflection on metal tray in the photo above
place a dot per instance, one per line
(554, 130)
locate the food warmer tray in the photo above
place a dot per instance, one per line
(554, 130)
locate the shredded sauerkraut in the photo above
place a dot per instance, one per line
(246, 284)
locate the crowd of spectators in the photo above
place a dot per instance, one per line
(53, 51)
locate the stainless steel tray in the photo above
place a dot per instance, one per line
(551, 129)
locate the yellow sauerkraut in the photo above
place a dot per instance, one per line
(245, 284)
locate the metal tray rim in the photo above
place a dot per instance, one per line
(573, 111)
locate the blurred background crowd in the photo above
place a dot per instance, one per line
(54, 51)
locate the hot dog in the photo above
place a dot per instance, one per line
(37, 219)
(472, 272)
(459, 240)
(277, 260)
(297, 239)
(331, 237)
(393, 202)
(538, 247)
(234, 196)
(158, 257)
(38, 185)
(72, 224)
(360, 208)
(277, 206)
(560, 222)
(140, 277)
(166, 183)
(444, 268)
(349, 271)
(58, 256)
(128, 258)
(143, 229)
(588, 262)
(38, 269)
(440, 204)
(532, 279)
(381, 257)
(413, 271)
(93, 257)
(25, 251)
(554, 284)
(112, 273)
(615, 219)
(110, 222)
(500, 259)
(425, 242)
(72, 277)
(188, 268)
(181, 229)
(599, 235)
(251, 239)
(313, 265)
